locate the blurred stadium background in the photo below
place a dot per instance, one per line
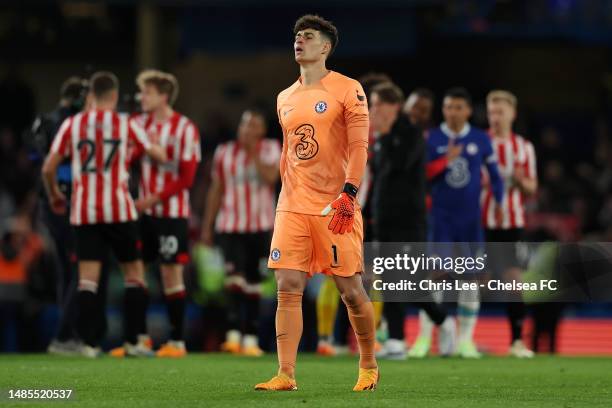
(555, 55)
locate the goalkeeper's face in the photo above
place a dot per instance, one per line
(310, 46)
(151, 99)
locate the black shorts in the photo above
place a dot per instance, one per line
(94, 242)
(504, 249)
(243, 253)
(165, 239)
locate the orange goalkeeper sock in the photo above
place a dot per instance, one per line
(288, 330)
(362, 320)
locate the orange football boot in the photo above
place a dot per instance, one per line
(280, 382)
(368, 379)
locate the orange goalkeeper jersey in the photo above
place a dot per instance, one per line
(319, 123)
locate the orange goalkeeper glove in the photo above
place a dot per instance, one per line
(344, 207)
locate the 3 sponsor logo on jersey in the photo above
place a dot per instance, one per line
(307, 147)
(458, 175)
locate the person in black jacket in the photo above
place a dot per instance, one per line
(398, 202)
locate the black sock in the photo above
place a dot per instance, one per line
(395, 313)
(435, 311)
(234, 310)
(176, 314)
(252, 315)
(86, 301)
(100, 322)
(516, 316)
(342, 325)
(136, 301)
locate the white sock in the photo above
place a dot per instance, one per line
(426, 325)
(143, 339)
(233, 336)
(250, 340)
(177, 343)
(468, 304)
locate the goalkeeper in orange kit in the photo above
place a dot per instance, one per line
(318, 225)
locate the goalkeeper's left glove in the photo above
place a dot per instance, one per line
(342, 221)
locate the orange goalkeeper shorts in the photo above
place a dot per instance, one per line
(303, 242)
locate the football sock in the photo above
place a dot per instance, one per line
(362, 320)
(378, 312)
(86, 301)
(435, 311)
(252, 314)
(175, 302)
(288, 330)
(426, 325)
(395, 314)
(341, 325)
(468, 304)
(136, 300)
(327, 306)
(516, 316)
(235, 302)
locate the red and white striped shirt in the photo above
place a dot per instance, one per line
(248, 202)
(180, 138)
(97, 141)
(512, 153)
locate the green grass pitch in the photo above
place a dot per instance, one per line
(213, 380)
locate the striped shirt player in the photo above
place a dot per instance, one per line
(248, 203)
(516, 158)
(102, 212)
(102, 209)
(240, 210)
(517, 167)
(513, 154)
(180, 138)
(97, 141)
(165, 224)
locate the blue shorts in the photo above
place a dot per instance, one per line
(467, 234)
(446, 227)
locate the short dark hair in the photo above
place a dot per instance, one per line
(459, 93)
(388, 92)
(73, 88)
(164, 82)
(325, 27)
(424, 93)
(102, 82)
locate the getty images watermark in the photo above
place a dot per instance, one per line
(458, 265)
(499, 271)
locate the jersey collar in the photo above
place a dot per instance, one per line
(324, 79)
(464, 132)
(490, 133)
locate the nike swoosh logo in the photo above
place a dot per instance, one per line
(287, 111)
